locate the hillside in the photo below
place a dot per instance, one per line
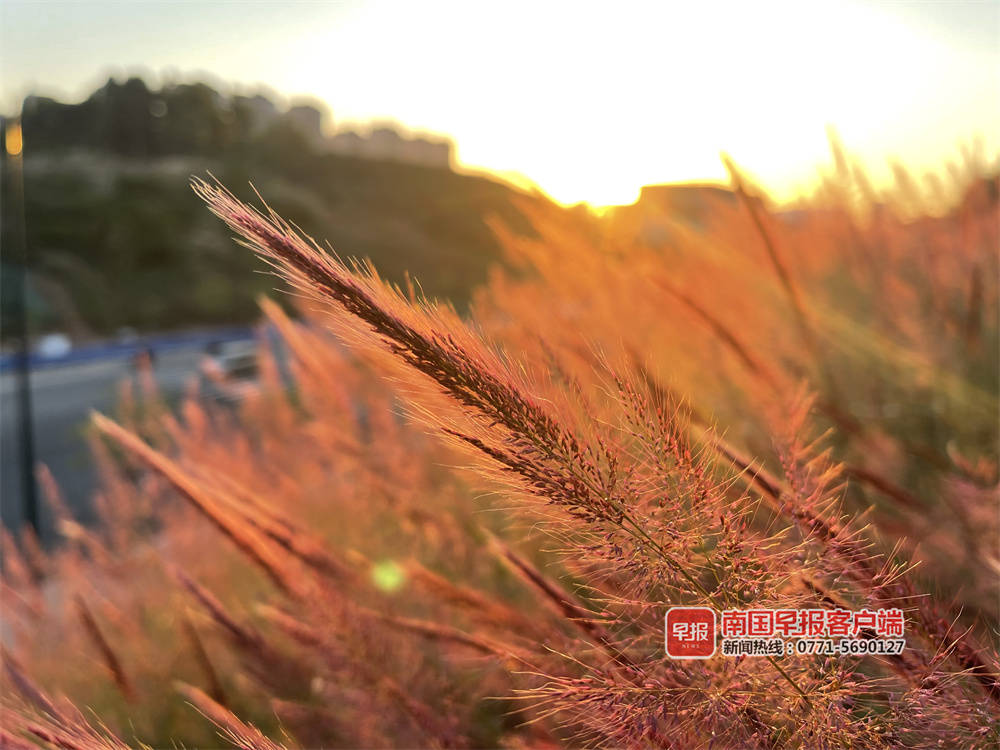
(116, 239)
(119, 242)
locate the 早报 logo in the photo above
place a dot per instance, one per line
(690, 632)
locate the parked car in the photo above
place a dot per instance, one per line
(54, 346)
(229, 370)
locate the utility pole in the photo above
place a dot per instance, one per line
(13, 250)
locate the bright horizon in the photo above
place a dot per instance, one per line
(588, 103)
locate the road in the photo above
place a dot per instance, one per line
(62, 398)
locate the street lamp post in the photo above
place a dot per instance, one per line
(14, 251)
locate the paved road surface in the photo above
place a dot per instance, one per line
(62, 398)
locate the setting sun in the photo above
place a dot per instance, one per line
(591, 105)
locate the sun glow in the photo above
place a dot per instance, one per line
(592, 105)
(589, 101)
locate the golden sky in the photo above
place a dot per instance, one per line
(590, 101)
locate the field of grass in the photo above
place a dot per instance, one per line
(465, 530)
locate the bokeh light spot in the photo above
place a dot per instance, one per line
(388, 576)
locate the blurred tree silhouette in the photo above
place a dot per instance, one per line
(114, 231)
